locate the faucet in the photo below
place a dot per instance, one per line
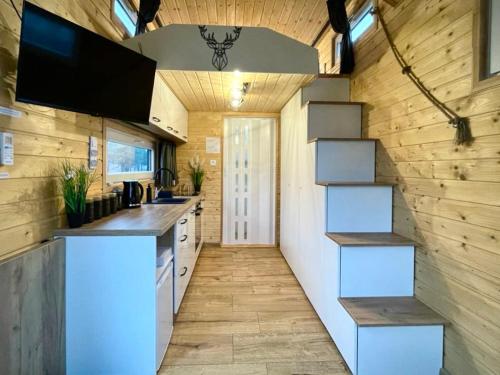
(158, 174)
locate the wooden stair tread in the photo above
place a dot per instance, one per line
(390, 311)
(332, 183)
(326, 102)
(322, 139)
(331, 75)
(370, 239)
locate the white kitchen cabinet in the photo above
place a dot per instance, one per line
(168, 116)
(184, 255)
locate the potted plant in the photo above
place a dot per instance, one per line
(197, 173)
(75, 182)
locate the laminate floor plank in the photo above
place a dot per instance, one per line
(231, 369)
(244, 313)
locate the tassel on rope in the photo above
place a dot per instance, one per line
(463, 135)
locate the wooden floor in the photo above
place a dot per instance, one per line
(244, 313)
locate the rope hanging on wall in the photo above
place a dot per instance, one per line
(463, 134)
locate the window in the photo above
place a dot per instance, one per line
(128, 157)
(487, 44)
(493, 38)
(125, 15)
(362, 21)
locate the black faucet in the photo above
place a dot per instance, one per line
(158, 173)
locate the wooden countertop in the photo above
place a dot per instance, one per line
(147, 220)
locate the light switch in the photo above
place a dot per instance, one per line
(213, 163)
(6, 149)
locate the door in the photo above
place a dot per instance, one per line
(249, 181)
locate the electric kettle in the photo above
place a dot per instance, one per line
(133, 192)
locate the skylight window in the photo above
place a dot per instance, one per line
(125, 15)
(362, 22)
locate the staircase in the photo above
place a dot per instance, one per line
(371, 313)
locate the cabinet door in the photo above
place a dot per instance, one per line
(177, 115)
(155, 114)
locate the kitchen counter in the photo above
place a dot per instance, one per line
(147, 220)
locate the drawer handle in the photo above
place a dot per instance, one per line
(156, 119)
(184, 271)
(176, 131)
(184, 238)
(182, 222)
(185, 137)
(170, 128)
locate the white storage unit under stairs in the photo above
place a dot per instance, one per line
(360, 275)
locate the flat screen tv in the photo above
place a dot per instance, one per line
(62, 65)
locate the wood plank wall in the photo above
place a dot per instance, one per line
(32, 319)
(447, 197)
(201, 126)
(30, 205)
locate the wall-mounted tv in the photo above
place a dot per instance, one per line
(62, 65)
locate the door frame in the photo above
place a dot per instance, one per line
(277, 179)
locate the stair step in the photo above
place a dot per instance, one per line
(333, 119)
(340, 161)
(390, 312)
(333, 76)
(324, 88)
(313, 140)
(370, 239)
(332, 183)
(328, 102)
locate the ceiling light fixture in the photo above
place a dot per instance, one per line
(238, 93)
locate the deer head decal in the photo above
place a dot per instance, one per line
(219, 59)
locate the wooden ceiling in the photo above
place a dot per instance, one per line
(299, 19)
(211, 91)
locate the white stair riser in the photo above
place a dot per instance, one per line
(359, 209)
(377, 271)
(345, 161)
(327, 90)
(333, 121)
(408, 350)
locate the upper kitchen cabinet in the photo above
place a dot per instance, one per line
(168, 116)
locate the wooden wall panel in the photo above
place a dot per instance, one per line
(30, 204)
(32, 322)
(447, 197)
(211, 124)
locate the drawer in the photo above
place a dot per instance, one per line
(181, 228)
(182, 240)
(376, 271)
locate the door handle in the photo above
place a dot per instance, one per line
(184, 238)
(184, 271)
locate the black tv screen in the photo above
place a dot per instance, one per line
(65, 66)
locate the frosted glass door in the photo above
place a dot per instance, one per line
(249, 181)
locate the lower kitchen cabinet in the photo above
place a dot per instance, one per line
(120, 302)
(185, 255)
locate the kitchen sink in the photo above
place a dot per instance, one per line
(170, 200)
